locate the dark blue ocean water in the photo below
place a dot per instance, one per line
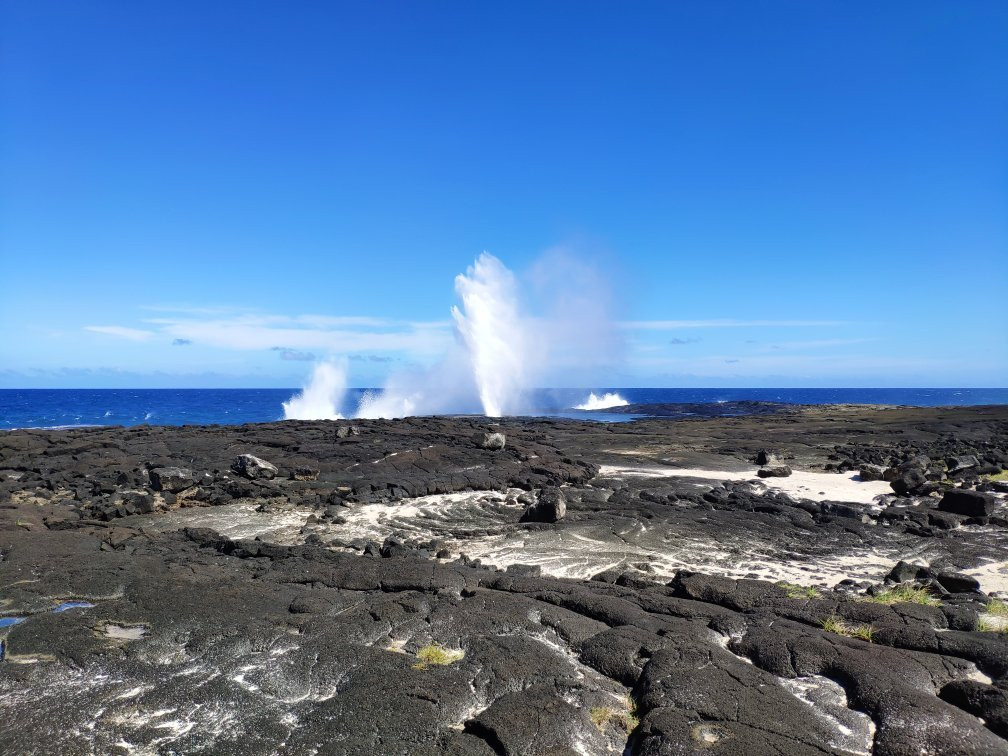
(46, 408)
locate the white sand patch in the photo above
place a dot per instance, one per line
(125, 632)
(993, 577)
(801, 484)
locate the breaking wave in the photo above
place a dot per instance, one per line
(607, 400)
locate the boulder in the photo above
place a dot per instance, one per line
(909, 482)
(905, 572)
(253, 467)
(347, 430)
(492, 441)
(957, 582)
(766, 457)
(776, 471)
(551, 506)
(171, 479)
(963, 462)
(871, 472)
(968, 503)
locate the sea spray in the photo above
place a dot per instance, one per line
(494, 333)
(322, 396)
(508, 338)
(607, 400)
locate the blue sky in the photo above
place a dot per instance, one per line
(778, 193)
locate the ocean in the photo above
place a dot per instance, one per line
(53, 408)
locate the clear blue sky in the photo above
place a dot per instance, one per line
(781, 193)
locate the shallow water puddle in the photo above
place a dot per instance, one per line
(9, 621)
(68, 605)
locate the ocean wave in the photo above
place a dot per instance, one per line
(607, 400)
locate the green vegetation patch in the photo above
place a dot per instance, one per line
(437, 656)
(904, 594)
(840, 626)
(994, 619)
(795, 591)
(1003, 475)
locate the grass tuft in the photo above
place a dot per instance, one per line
(1003, 475)
(795, 591)
(998, 608)
(994, 619)
(437, 656)
(986, 624)
(904, 594)
(834, 624)
(626, 720)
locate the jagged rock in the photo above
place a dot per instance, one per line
(909, 482)
(905, 572)
(766, 457)
(171, 479)
(304, 473)
(140, 502)
(253, 467)
(944, 520)
(492, 441)
(551, 506)
(957, 582)
(777, 471)
(968, 503)
(871, 472)
(964, 462)
(344, 431)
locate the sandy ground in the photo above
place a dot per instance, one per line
(802, 484)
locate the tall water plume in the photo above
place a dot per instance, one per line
(555, 327)
(494, 334)
(322, 397)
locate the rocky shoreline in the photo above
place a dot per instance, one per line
(466, 586)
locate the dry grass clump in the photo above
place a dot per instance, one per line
(437, 656)
(840, 626)
(625, 719)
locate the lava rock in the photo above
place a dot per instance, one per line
(253, 467)
(909, 482)
(944, 520)
(776, 471)
(871, 472)
(905, 572)
(964, 462)
(344, 431)
(492, 441)
(551, 506)
(957, 582)
(171, 479)
(304, 473)
(766, 457)
(968, 503)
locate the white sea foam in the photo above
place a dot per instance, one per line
(323, 395)
(607, 400)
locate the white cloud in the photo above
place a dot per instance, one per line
(326, 334)
(130, 334)
(673, 325)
